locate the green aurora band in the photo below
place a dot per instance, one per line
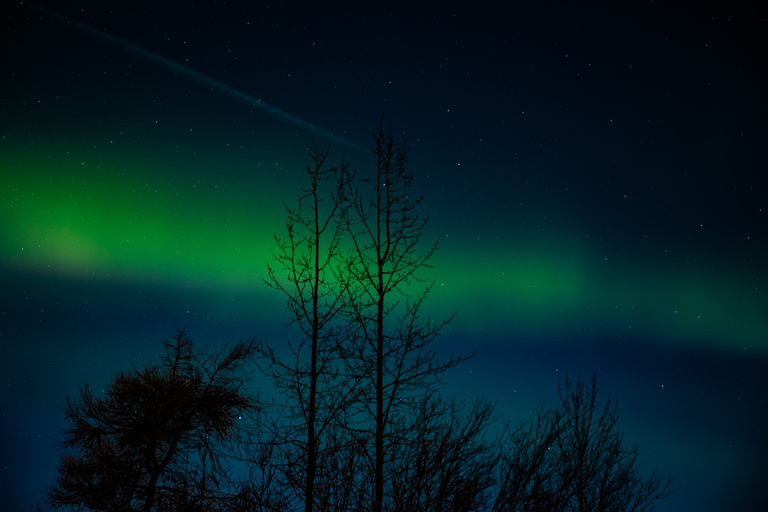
(177, 223)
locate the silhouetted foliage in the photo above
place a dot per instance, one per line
(161, 437)
(572, 458)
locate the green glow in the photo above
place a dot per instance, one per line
(691, 306)
(154, 219)
(557, 296)
(120, 219)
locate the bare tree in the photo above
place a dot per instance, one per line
(162, 437)
(573, 459)
(310, 274)
(391, 351)
(598, 471)
(350, 383)
(528, 473)
(445, 461)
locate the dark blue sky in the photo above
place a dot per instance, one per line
(595, 172)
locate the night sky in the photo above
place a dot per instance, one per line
(595, 173)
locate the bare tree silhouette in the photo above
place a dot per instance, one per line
(390, 350)
(572, 458)
(310, 273)
(444, 461)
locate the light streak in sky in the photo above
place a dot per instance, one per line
(197, 76)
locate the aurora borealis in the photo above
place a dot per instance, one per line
(594, 175)
(94, 214)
